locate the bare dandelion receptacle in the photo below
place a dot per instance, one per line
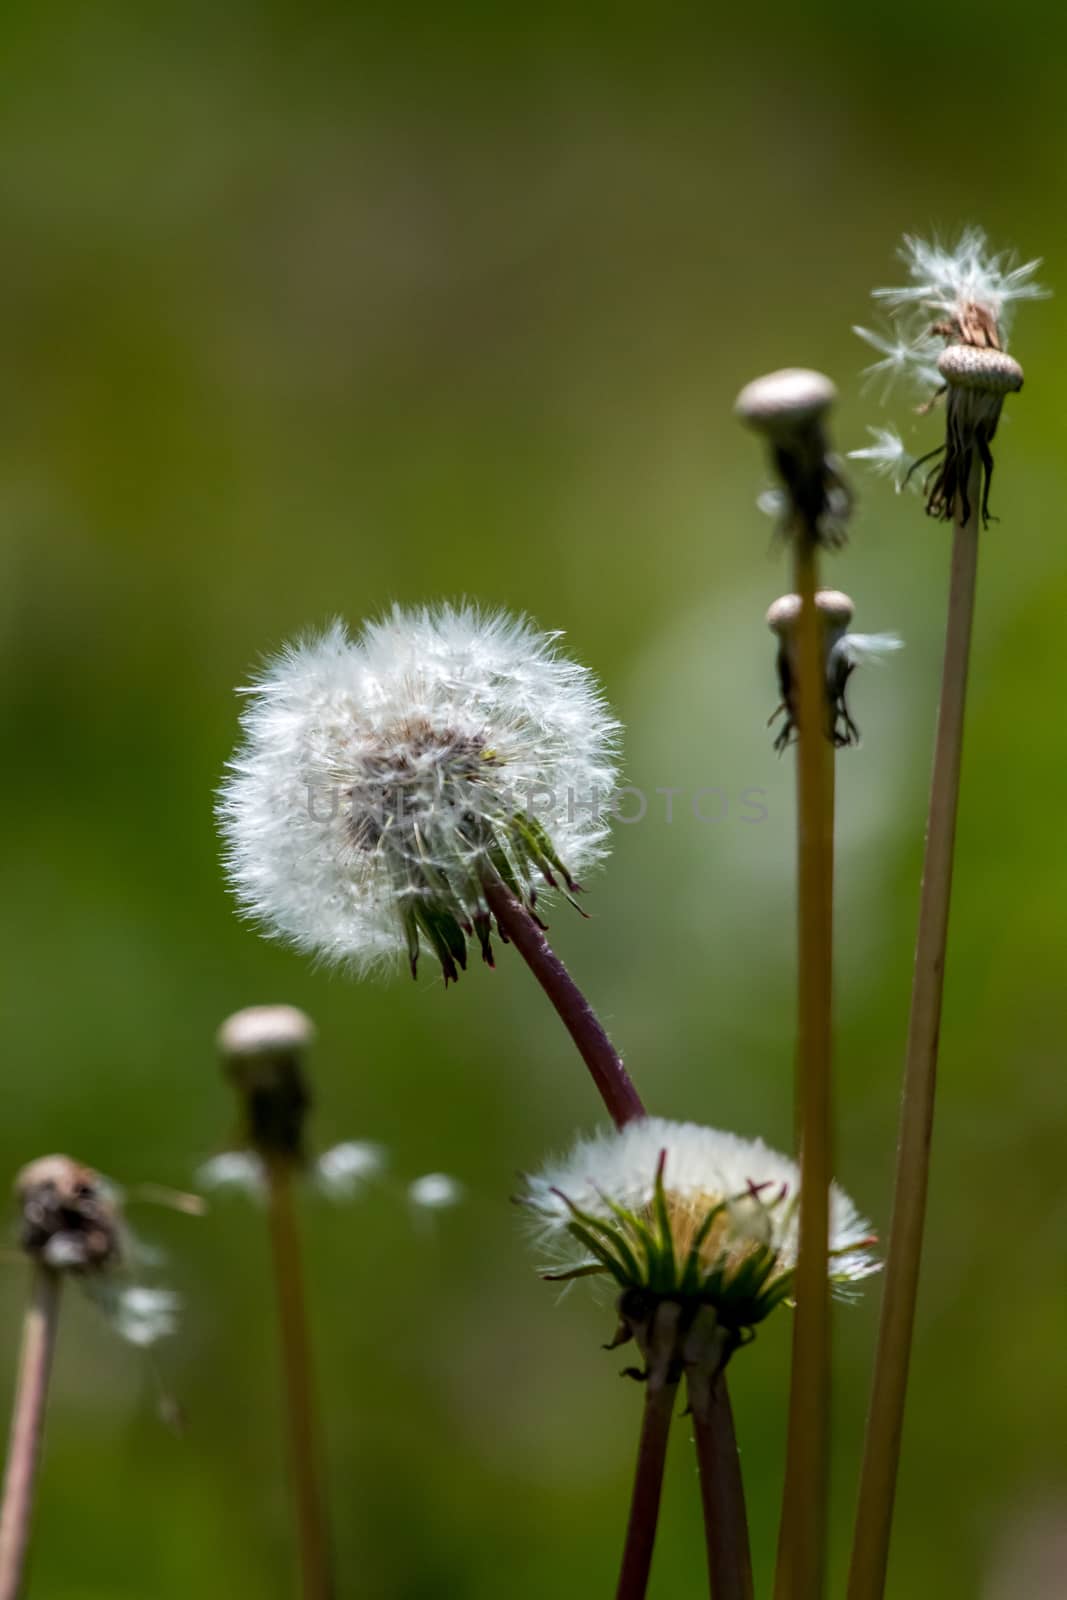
(789, 407)
(842, 650)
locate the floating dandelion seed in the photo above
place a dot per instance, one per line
(843, 652)
(949, 333)
(263, 1050)
(435, 1191)
(681, 1213)
(385, 780)
(887, 457)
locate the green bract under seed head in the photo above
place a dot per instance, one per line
(786, 401)
(966, 366)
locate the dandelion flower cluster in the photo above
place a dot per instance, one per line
(948, 333)
(683, 1212)
(843, 651)
(383, 780)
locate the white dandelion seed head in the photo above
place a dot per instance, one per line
(341, 1172)
(435, 1191)
(887, 457)
(382, 776)
(748, 1190)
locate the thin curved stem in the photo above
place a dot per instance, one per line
(597, 1051)
(620, 1097)
(312, 1537)
(722, 1491)
(885, 1422)
(801, 1571)
(27, 1427)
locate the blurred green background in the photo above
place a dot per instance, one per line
(309, 309)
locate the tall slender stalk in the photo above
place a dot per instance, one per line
(595, 1048)
(721, 1489)
(870, 1553)
(298, 1382)
(802, 1538)
(27, 1426)
(660, 1392)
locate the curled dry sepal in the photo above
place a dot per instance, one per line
(384, 780)
(71, 1220)
(263, 1052)
(789, 408)
(843, 651)
(948, 332)
(686, 1216)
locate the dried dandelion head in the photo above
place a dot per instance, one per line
(385, 779)
(949, 332)
(843, 651)
(71, 1221)
(789, 408)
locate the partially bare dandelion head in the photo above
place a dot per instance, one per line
(69, 1217)
(71, 1220)
(789, 408)
(842, 653)
(949, 333)
(384, 779)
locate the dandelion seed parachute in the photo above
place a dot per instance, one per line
(383, 779)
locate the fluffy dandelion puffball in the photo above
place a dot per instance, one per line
(384, 779)
(682, 1211)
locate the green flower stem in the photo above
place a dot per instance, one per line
(722, 1491)
(802, 1537)
(313, 1541)
(870, 1552)
(612, 1080)
(27, 1426)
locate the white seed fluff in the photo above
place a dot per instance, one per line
(946, 286)
(947, 281)
(703, 1167)
(887, 457)
(354, 748)
(435, 1191)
